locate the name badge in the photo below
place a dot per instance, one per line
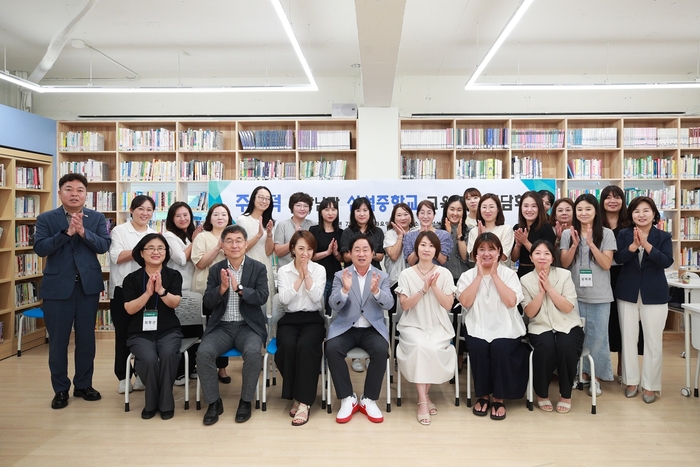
(150, 320)
(586, 278)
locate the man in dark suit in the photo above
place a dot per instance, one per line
(71, 237)
(236, 292)
(360, 295)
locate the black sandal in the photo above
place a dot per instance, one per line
(483, 403)
(496, 406)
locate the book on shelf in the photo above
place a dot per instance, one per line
(27, 264)
(580, 138)
(666, 225)
(323, 170)
(28, 326)
(31, 178)
(201, 140)
(158, 225)
(650, 137)
(690, 257)
(256, 169)
(537, 139)
(94, 171)
(195, 170)
(101, 200)
(155, 139)
(267, 139)
(104, 295)
(163, 199)
(198, 201)
(482, 138)
(103, 259)
(650, 167)
(422, 139)
(690, 137)
(103, 321)
(585, 168)
(664, 198)
(690, 199)
(575, 193)
(27, 206)
(689, 166)
(525, 167)
(81, 141)
(148, 171)
(488, 169)
(26, 293)
(690, 228)
(24, 235)
(323, 139)
(418, 169)
(3, 175)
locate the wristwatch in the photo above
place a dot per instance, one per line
(239, 288)
(165, 292)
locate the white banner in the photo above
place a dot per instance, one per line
(383, 194)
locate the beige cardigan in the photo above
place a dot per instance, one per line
(550, 318)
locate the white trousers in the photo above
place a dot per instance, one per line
(653, 318)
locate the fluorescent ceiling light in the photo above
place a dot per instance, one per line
(582, 87)
(517, 16)
(311, 86)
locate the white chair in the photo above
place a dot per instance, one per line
(189, 312)
(357, 352)
(397, 316)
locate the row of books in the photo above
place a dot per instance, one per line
(690, 257)
(163, 199)
(489, 169)
(537, 139)
(198, 202)
(526, 167)
(585, 168)
(81, 141)
(3, 175)
(482, 138)
(195, 170)
(323, 170)
(591, 138)
(690, 137)
(649, 137)
(29, 178)
(649, 168)
(664, 198)
(201, 140)
(418, 169)
(27, 207)
(104, 261)
(155, 139)
(24, 235)
(157, 225)
(690, 199)
(690, 228)
(689, 166)
(148, 171)
(26, 293)
(28, 325)
(101, 200)
(27, 264)
(576, 192)
(323, 139)
(666, 225)
(94, 171)
(267, 139)
(418, 139)
(103, 321)
(255, 169)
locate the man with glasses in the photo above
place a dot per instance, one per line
(236, 292)
(70, 237)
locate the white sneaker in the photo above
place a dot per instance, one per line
(122, 387)
(598, 390)
(138, 384)
(180, 381)
(348, 406)
(357, 365)
(369, 408)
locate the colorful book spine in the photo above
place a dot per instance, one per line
(424, 139)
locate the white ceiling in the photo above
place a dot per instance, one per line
(219, 42)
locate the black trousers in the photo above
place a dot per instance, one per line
(299, 352)
(121, 320)
(555, 351)
(337, 350)
(499, 367)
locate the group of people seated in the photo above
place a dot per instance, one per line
(519, 289)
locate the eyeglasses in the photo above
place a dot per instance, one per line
(301, 206)
(230, 242)
(152, 249)
(263, 198)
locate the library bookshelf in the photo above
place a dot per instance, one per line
(26, 183)
(173, 160)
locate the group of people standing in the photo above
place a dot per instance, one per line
(535, 280)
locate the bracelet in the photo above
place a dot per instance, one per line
(422, 291)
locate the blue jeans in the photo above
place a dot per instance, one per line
(597, 316)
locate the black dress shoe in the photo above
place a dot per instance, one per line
(243, 413)
(60, 400)
(167, 415)
(215, 409)
(147, 415)
(89, 394)
(224, 379)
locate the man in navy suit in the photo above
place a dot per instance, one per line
(71, 237)
(360, 295)
(236, 292)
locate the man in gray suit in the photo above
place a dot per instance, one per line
(360, 295)
(236, 292)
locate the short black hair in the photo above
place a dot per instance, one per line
(231, 229)
(360, 236)
(300, 197)
(136, 252)
(72, 177)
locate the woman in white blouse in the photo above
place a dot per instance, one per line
(300, 332)
(554, 330)
(490, 292)
(490, 218)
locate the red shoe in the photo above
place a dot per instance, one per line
(369, 408)
(348, 406)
